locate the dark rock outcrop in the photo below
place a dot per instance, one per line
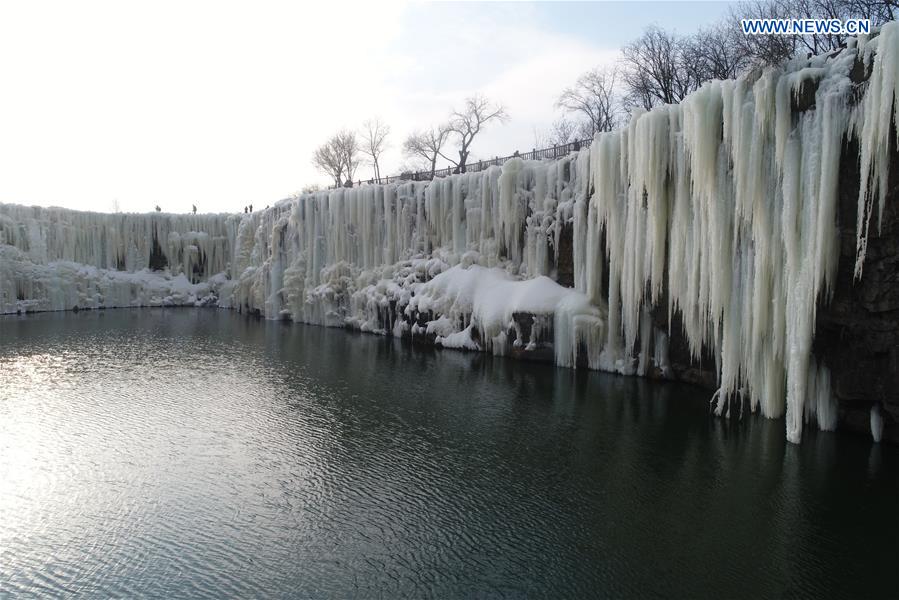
(530, 342)
(158, 260)
(683, 368)
(565, 255)
(857, 333)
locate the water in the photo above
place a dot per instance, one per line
(202, 453)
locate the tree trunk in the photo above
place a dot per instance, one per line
(463, 158)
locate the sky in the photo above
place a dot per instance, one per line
(127, 105)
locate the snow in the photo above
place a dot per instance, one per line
(487, 299)
(462, 340)
(721, 211)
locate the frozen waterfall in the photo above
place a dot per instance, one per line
(720, 211)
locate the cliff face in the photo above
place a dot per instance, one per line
(858, 331)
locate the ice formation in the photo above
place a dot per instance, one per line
(57, 259)
(720, 212)
(876, 423)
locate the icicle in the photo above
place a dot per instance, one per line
(878, 109)
(876, 424)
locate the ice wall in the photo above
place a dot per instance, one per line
(720, 210)
(58, 259)
(342, 256)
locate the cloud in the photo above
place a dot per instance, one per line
(221, 104)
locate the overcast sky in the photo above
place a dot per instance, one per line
(221, 104)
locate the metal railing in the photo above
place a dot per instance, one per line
(551, 153)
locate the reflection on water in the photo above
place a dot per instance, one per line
(201, 453)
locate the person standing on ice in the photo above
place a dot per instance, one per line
(195, 208)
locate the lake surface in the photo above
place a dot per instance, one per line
(201, 453)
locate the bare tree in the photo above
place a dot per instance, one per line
(562, 131)
(348, 149)
(593, 97)
(815, 9)
(468, 121)
(338, 157)
(327, 159)
(427, 145)
(658, 69)
(878, 11)
(765, 50)
(411, 165)
(715, 52)
(374, 142)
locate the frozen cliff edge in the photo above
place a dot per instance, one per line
(58, 259)
(713, 230)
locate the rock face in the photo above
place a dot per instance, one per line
(858, 332)
(683, 367)
(565, 263)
